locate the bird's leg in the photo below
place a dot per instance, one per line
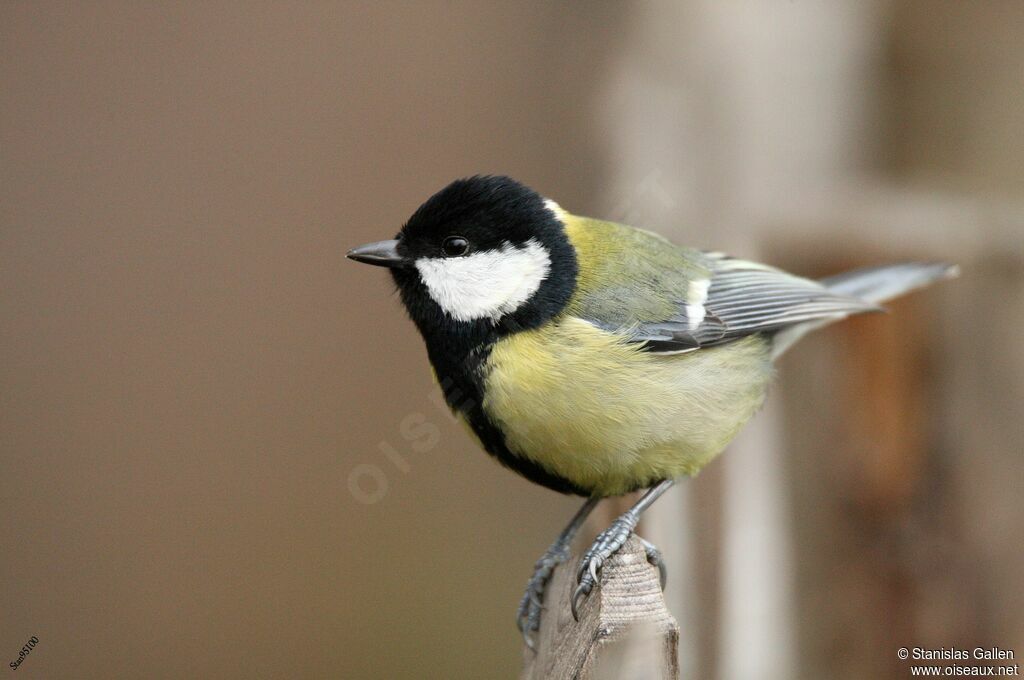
(528, 616)
(613, 538)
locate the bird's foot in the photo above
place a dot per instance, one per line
(532, 603)
(605, 545)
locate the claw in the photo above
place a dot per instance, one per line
(578, 596)
(654, 557)
(527, 622)
(523, 613)
(589, 577)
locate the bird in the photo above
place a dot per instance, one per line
(598, 359)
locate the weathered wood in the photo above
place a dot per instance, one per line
(625, 630)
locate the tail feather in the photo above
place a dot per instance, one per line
(878, 284)
(872, 284)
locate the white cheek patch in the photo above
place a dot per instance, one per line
(488, 284)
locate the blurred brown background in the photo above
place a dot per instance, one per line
(191, 374)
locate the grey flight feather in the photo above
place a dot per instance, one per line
(743, 298)
(746, 297)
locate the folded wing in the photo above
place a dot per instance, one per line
(672, 299)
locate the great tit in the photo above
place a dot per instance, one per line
(594, 358)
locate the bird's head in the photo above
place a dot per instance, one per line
(484, 252)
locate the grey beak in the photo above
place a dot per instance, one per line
(381, 253)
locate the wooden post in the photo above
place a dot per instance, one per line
(625, 630)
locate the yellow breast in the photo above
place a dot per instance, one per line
(599, 411)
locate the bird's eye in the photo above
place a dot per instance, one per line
(454, 246)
